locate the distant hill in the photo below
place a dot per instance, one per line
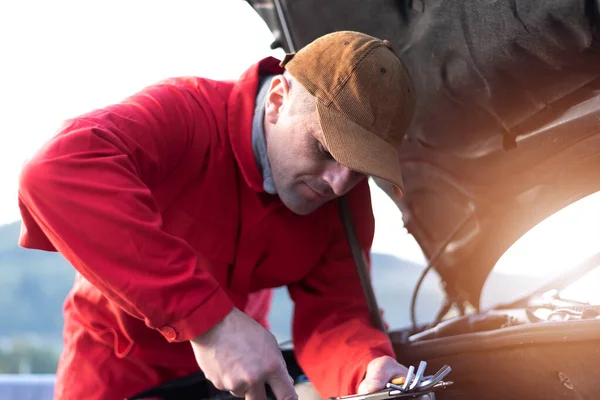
(34, 285)
(393, 283)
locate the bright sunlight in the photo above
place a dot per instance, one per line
(558, 244)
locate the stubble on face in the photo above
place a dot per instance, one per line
(293, 135)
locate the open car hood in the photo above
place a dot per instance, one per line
(506, 129)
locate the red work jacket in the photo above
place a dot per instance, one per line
(158, 203)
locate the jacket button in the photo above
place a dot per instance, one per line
(169, 332)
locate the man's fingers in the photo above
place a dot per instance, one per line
(397, 371)
(282, 386)
(374, 385)
(257, 392)
(363, 388)
(373, 380)
(380, 371)
(237, 394)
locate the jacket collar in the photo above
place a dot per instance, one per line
(241, 105)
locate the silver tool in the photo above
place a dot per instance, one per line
(415, 386)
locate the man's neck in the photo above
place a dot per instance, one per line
(259, 142)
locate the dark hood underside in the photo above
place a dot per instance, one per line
(508, 114)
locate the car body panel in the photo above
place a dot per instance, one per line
(507, 123)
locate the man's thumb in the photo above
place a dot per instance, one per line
(282, 386)
(379, 372)
(372, 381)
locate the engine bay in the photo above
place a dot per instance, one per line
(501, 319)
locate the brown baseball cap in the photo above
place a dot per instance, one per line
(365, 99)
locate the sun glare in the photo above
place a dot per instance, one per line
(558, 243)
(584, 289)
(550, 249)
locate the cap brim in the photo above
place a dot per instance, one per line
(358, 149)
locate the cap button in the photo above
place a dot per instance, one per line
(388, 44)
(169, 332)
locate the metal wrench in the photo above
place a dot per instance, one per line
(409, 376)
(437, 378)
(418, 376)
(418, 383)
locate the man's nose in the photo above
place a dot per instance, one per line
(340, 178)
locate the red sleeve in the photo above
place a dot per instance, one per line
(88, 194)
(334, 339)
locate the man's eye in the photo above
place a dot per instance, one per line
(324, 152)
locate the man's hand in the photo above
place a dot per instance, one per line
(380, 371)
(240, 356)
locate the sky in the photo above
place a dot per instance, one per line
(67, 57)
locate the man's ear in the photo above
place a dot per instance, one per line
(277, 95)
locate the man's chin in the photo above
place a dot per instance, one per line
(302, 207)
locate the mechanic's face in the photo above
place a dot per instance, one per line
(305, 175)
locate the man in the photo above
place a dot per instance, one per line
(182, 206)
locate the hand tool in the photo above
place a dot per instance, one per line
(412, 386)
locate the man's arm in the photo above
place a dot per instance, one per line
(333, 337)
(89, 193)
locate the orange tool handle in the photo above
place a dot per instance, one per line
(399, 380)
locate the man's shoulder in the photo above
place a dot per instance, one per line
(362, 217)
(361, 210)
(359, 197)
(198, 86)
(359, 201)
